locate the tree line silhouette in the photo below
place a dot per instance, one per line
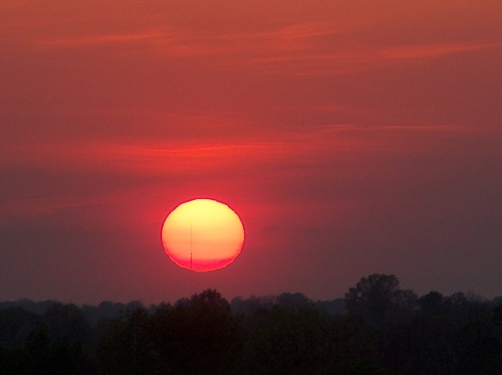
(377, 328)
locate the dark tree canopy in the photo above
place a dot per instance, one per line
(378, 296)
(387, 331)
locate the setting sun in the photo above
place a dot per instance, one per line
(202, 235)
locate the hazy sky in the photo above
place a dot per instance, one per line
(352, 137)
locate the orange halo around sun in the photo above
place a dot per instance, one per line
(202, 235)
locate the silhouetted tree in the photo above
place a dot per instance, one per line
(248, 306)
(352, 348)
(382, 334)
(15, 361)
(113, 348)
(294, 300)
(66, 323)
(431, 304)
(197, 336)
(16, 324)
(377, 296)
(286, 340)
(126, 344)
(38, 349)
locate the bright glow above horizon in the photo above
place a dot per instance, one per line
(203, 235)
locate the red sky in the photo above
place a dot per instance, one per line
(351, 138)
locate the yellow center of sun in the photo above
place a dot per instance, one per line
(202, 235)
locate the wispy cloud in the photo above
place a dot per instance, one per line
(149, 36)
(295, 147)
(30, 207)
(434, 50)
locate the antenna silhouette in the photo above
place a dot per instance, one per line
(191, 268)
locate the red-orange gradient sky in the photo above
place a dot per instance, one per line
(352, 137)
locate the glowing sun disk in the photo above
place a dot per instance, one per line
(202, 235)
